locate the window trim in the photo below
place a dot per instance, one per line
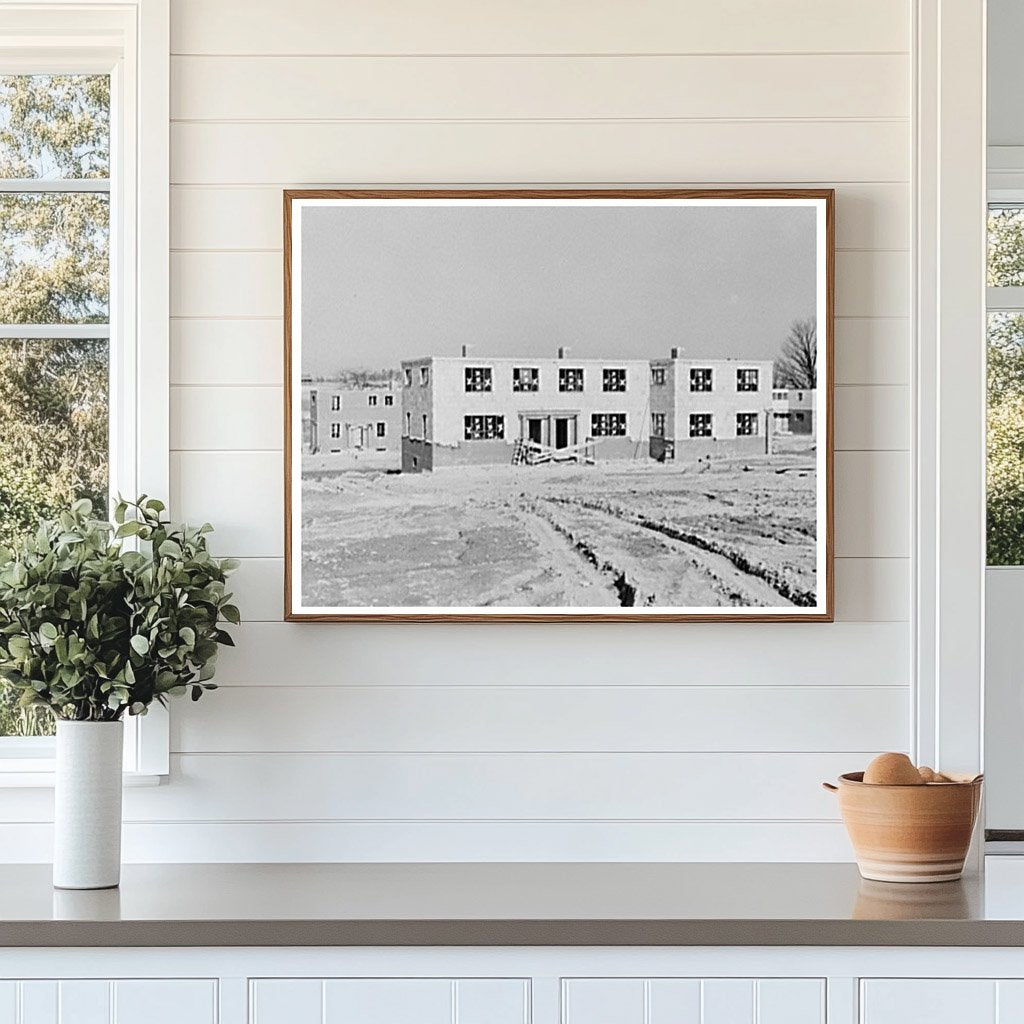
(131, 43)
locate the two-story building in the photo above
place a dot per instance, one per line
(704, 407)
(793, 410)
(469, 409)
(337, 417)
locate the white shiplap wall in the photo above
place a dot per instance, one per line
(683, 741)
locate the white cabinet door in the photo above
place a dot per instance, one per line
(388, 1001)
(693, 1001)
(143, 1001)
(931, 1001)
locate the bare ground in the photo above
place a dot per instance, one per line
(739, 532)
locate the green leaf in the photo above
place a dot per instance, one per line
(231, 613)
(170, 549)
(140, 644)
(48, 630)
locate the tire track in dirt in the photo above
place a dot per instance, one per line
(775, 579)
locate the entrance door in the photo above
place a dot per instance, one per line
(535, 430)
(561, 432)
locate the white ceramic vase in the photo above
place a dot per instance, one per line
(87, 807)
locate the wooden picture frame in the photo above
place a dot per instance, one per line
(548, 430)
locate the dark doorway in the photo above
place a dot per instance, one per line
(561, 433)
(535, 430)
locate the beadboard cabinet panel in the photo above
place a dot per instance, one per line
(99, 1001)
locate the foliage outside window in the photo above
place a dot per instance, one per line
(1005, 477)
(54, 309)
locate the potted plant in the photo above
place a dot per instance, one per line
(99, 620)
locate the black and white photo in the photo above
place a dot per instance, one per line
(559, 405)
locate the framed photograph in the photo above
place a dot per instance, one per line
(558, 405)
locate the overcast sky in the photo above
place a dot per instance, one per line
(386, 283)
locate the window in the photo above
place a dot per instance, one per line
(424, 376)
(700, 424)
(657, 424)
(423, 420)
(75, 390)
(408, 424)
(746, 424)
(485, 428)
(408, 377)
(608, 424)
(371, 399)
(746, 380)
(1005, 470)
(382, 429)
(478, 378)
(335, 431)
(613, 380)
(335, 403)
(525, 378)
(570, 378)
(658, 376)
(389, 399)
(700, 379)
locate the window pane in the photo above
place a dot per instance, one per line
(53, 449)
(1005, 246)
(54, 257)
(1005, 439)
(54, 126)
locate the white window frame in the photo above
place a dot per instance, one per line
(130, 41)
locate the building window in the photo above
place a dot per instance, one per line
(424, 376)
(389, 399)
(570, 378)
(408, 377)
(335, 403)
(658, 376)
(485, 428)
(746, 380)
(479, 378)
(746, 424)
(700, 379)
(335, 431)
(608, 424)
(657, 424)
(382, 429)
(408, 424)
(614, 380)
(525, 378)
(700, 424)
(423, 421)
(371, 399)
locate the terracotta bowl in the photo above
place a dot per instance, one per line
(909, 833)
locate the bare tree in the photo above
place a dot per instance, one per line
(797, 365)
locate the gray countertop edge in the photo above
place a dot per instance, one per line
(255, 933)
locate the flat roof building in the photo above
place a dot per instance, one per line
(337, 417)
(465, 409)
(710, 407)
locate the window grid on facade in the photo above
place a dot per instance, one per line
(335, 403)
(700, 424)
(371, 399)
(700, 378)
(424, 376)
(746, 424)
(657, 424)
(479, 378)
(408, 424)
(335, 430)
(613, 379)
(608, 424)
(382, 429)
(746, 380)
(423, 420)
(658, 376)
(525, 378)
(408, 377)
(484, 428)
(389, 399)
(570, 378)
